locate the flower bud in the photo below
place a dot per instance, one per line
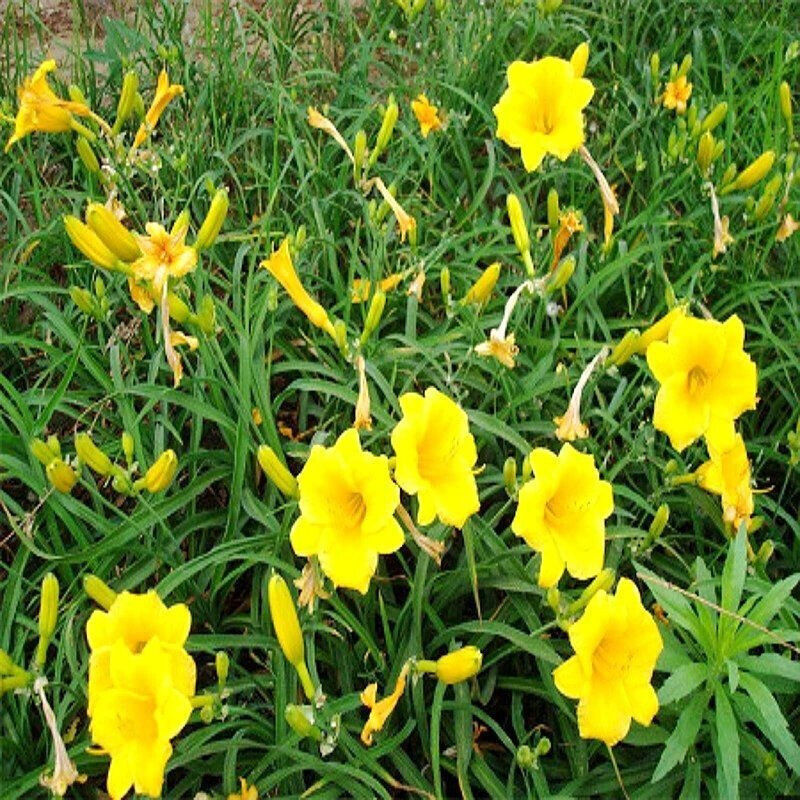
(53, 444)
(212, 224)
(301, 720)
(7, 666)
(374, 314)
(43, 452)
(579, 59)
(127, 446)
(83, 299)
(206, 315)
(114, 235)
(99, 591)
(87, 155)
(178, 310)
(300, 236)
(444, 282)
(705, 152)
(553, 211)
(61, 475)
(48, 614)
(138, 106)
(385, 132)
(525, 757)
(626, 347)
(785, 95)
(222, 664)
(460, 665)
(603, 582)
(755, 171)
(91, 455)
(481, 290)
(764, 205)
(127, 100)
(714, 117)
(765, 552)
(561, 275)
(160, 474)
(728, 175)
(547, 7)
(359, 154)
(657, 526)
(691, 119)
(655, 66)
(685, 66)
(76, 95)
(510, 475)
(553, 598)
(518, 227)
(275, 470)
(284, 620)
(89, 243)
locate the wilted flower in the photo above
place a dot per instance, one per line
(677, 94)
(562, 513)
(503, 348)
(245, 792)
(427, 115)
(616, 644)
(165, 93)
(541, 111)
(568, 223)
(727, 473)
(361, 288)
(707, 380)
(570, 426)
(787, 227)
(435, 457)
(381, 709)
(347, 504)
(362, 418)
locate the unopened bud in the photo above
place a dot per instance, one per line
(87, 155)
(359, 154)
(76, 95)
(481, 290)
(561, 275)
(579, 59)
(127, 446)
(655, 66)
(553, 210)
(626, 347)
(685, 66)
(83, 299)
(212, 224)
(765, 552)
(385, 132)
(459, 665)
(127, 100)
(754, 172)
(89, 243)
(61, 475)
(705, 152)
(48, 614)
(160, 474)
(301, 720)
(714, 117)
(518, 227)
(300, 236)
(206, 314)
(785, 95)
(728, 175)
(99, 591)
(222, 664)
(178, 309)
(602, 583)
(42, 452)
(374, 315)
(510, 475)
(444, 282)
(764, 205)
(91, 455)
(553, 597)
(691, 119)
(275, 470)
(113, 234)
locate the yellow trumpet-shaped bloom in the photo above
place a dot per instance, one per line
(427, 115)
(727, 473)
(435, 458)
(616, 644)
(676, 94)
(562, 513)
(160, 474)
(282, 269)
(347, 505)
(40, 109)
(381, 709)
(541, 112)
(707, 380)
(166, 92)
(136, 715)
(165, 255)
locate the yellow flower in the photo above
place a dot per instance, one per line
(660, 329)
(405, 222)
(160, 474)
(435, 458)
(134, 718)
(165, 93)
(164, 255)
(707, 380)
(459, 665)
(140, 294)
(427, 115)
(282, 269)
(381, 709)
(562, 513)
(245, 793)
(616, 644)
(347, 504)
(481, 290)
(284, 620)
(787, 227)
(727, 473)
(135, 620)
(541, 111)
(568, 223)
(40, 109)
(276, 471)
(61, 475)
(677, 94)
(504, 349)
(180, 339)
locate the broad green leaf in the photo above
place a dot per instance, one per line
(682, 738)
(683, 681)
(727, 734)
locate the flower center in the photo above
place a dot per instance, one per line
(611, 658)
(697, 379)
(354, 508)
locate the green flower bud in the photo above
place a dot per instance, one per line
(212, 224)
(510, 475)
(99, 591)
(626, 347)
(359, 154)
(374, 314)
(127, 447)
(754, 172)
(785, 96)
(87, 155)
(301, 720)
(206, 315)
(83, 299)
(728, 175)
(42, 452)
(277, 472)
(685, 66)
(91, 455)
(385, 132)
(705, 152)
(222, 664)
(127, 100)
(714, 117)
(553, 211)
(560, 276)
(444, 281)
(48, 615)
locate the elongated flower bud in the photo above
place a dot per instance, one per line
(510, 475)
(714, 117)
(705, 152)
(99, 591)
(660, 329)
(48, 614)
(284, 620)
(685, 66)
(603, 582)
(178, 310)
(206, 314)
(655, 66)
(785, 96)
(460, 665)
(764, 205)
(127, 446)
(61, 475)
(561, 275)
(579, 59)
(444, 282)
(518, 227)
(160, 475)
(114, 235)
(481, 290)
(222, 664)
(87, 155)
(660, 520)
(42, 452)
(91, 455)
(553, 210)
(127, 100)
(301, 721)
(275, 470)
(626, 347)
(359, 154)
(755, 171)
(212, 224)
(374, 314)
(82, 298)
(76, 95)
(385, 132)
(89, 243)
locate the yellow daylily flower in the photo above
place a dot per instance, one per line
(616, 644)
(165, 93)
(727, 473)
(282, 269)
(707, 380)
(787, 227)
(459, 665)
(165, 255)
(347, 504)
(245, 792)
(135, 620)
(436, 455)
(427, 115)
(676, 94)
(135, 716)
(541, 111)
(568, 223)
(61, 475)
(381, 709)
(503, 348)
(562, 512)
(40, 109)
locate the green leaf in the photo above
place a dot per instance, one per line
(683, 681)
(727, 735)
(682, 738)
(733, 575)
